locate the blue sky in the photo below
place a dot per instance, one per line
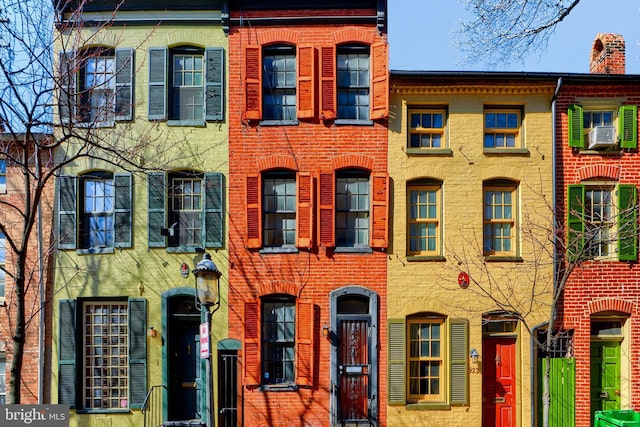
(420, 36)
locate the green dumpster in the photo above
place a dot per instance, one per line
(623, 418)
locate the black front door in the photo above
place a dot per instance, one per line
(184, 361)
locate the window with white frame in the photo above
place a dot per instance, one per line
(97, 89)
(105, 349)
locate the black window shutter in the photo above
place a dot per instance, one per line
(67, 328)
(137, 352)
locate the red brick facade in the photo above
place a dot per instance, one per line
(313, 148)
(605, 287)
(33, 355)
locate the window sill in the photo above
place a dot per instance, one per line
(192, 123)
(352, 250)
(428, 406)
(429, 152)
(103, 411)
(502, 258)
(353, 122)
(512, 151)
(183, 249)
(278, 387)
(426, 258)
(109, 124)
(608, 152)
(279, 123)
(94, 251)
(279, 250)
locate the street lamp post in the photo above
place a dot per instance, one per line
(208, 289)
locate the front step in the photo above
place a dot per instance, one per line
(184, 423)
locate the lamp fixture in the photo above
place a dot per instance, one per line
(474, 355)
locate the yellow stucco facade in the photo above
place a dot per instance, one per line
(437, 389)
(140, 271)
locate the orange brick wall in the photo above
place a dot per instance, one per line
(597, 286)
(311, 146)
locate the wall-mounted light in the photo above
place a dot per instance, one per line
(325, 330)
(151, 332)
(474, 355)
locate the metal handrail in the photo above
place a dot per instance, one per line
(147, 406)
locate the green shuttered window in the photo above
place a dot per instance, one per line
(454, 369)
(184, 224)
(580, 121)
(81, 336)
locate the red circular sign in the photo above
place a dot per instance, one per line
(463, 280)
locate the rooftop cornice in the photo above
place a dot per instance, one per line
(542, 89)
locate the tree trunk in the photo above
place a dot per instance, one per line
(15, 380)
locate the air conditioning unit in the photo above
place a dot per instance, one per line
(602, 137)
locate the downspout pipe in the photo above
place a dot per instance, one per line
(534, 330)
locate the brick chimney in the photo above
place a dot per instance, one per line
(607, 54)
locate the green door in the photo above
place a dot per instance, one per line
(605, 376)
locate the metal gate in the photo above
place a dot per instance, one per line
(228, 388)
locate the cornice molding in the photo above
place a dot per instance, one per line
(473, 90)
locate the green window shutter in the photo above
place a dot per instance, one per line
(397, 361)
(628, 126)
(627, 223)
(158, 83)
(67, 212)
(575, 220)
(459, 361)
(122, 211)
(124, 84)
(214, 93)
(67, 89)
(157, 209)
(214, 210)
(576, 136)
(67, 335)
(137, 352)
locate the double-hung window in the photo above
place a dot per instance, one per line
(602, 220)
(96, 86)
(186, 84)
(279, 209)
(500, 216)
(423, 219)
(502, 128)
(428, 360)
(279, 83)
(94, 211)
(278, 341)
(102, 356)
(353, 82)
(426, 128)
(3, 176)
(352, 208)
(597, 127)
(185, 210)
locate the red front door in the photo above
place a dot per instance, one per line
(354, 370)
(498, 382)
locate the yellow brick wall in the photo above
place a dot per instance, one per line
(431, 286)
(139, 271)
